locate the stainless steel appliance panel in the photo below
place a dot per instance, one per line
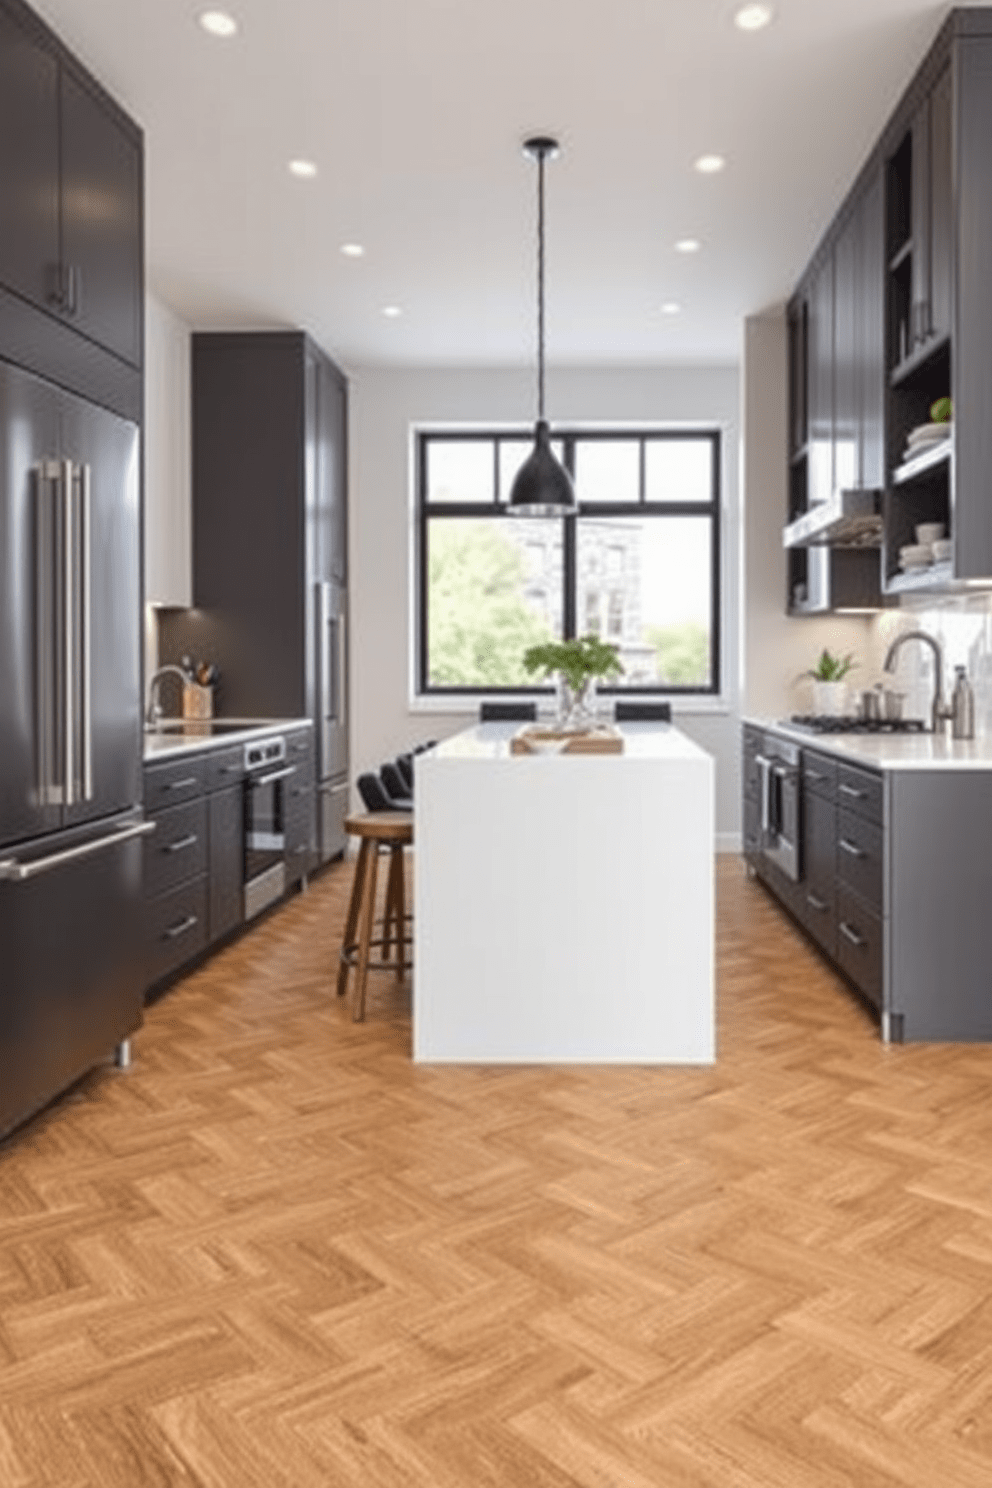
(71, 984)
(781, 810)
(30, 786)
(333, 808)
(101, 456)
(332, 681)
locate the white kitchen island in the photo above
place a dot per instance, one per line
(564, 903)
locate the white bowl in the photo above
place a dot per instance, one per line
(916, 553)
(942, 549)
(930, 532)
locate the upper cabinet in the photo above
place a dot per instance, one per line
(70, 191)
(836, 381)
(900, 282)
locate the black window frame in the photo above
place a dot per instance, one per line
(568, 437)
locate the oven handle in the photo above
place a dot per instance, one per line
(254, 780)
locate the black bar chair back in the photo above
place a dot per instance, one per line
(507, 712)
(628, 712)
(395, 784)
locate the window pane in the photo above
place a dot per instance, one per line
(678, 470)
(645, 584)
(608, 469)
(460, 470)
(512, 454)
(493, 589)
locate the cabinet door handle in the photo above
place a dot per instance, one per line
(814, 774)
(174, 931)
(849, 790)
(183, 842)
(849, 933)
(816, 903)
(183, 784)
(852, 848)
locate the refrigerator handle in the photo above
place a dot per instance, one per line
(48, 475)
(69, 633)
(13, 871)
(86, 624)
(342, 662)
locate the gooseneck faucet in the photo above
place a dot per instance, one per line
(153, 712)
(938, 710)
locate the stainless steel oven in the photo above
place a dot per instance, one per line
(781, 810)
(266, 779)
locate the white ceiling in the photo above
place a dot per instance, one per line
(414, 111)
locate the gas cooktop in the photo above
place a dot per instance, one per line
(825, 723)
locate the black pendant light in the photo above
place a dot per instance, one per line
(542, 487)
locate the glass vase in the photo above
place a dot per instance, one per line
(576, 706)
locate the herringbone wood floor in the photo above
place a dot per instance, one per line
(276, 1253)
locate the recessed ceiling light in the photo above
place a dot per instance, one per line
(671, 307)
(753, 17)
(352, 250)
(688, 245)
(391, 311)
(305, 169)
(710, 164)
(218, 23)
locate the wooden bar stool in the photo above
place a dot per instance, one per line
(378, 831)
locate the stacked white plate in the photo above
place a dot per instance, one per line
(925, 437)
(915, 556)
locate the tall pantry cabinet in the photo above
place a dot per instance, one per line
(270, 541)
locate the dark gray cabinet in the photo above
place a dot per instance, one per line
(837, 384)
(904, 267)
(194, 863)
(895, 884)
(226, 869)
(270, 547)
(70, 194)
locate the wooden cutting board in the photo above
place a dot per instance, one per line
(604, 740)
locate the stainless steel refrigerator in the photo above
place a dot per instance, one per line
(70, 740)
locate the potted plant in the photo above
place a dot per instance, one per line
(577, 664)
(829, 687)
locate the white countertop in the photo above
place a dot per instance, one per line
(890, 751)
(170, 742)
(491, 741)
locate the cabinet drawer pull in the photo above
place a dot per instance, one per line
(183, 784)
(814, 774)
(849, 790)
(852, 848)
(182, 844)
(174, 931)
(849, 933)
(816, 903)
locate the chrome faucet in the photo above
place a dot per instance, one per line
(153, 712)
(939, 710)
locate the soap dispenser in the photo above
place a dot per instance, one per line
(962, 706)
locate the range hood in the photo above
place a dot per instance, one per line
(850, 519)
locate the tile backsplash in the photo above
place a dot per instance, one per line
(962, 626)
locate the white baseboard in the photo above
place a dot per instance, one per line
(728, 842)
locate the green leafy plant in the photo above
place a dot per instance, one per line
(576, 660)
(831, 668)
(942, 411)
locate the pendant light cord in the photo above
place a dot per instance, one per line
(540, 285)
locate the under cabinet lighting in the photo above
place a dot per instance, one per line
(708, 165)
(305, 169)
(753, 17)
(218, 23)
